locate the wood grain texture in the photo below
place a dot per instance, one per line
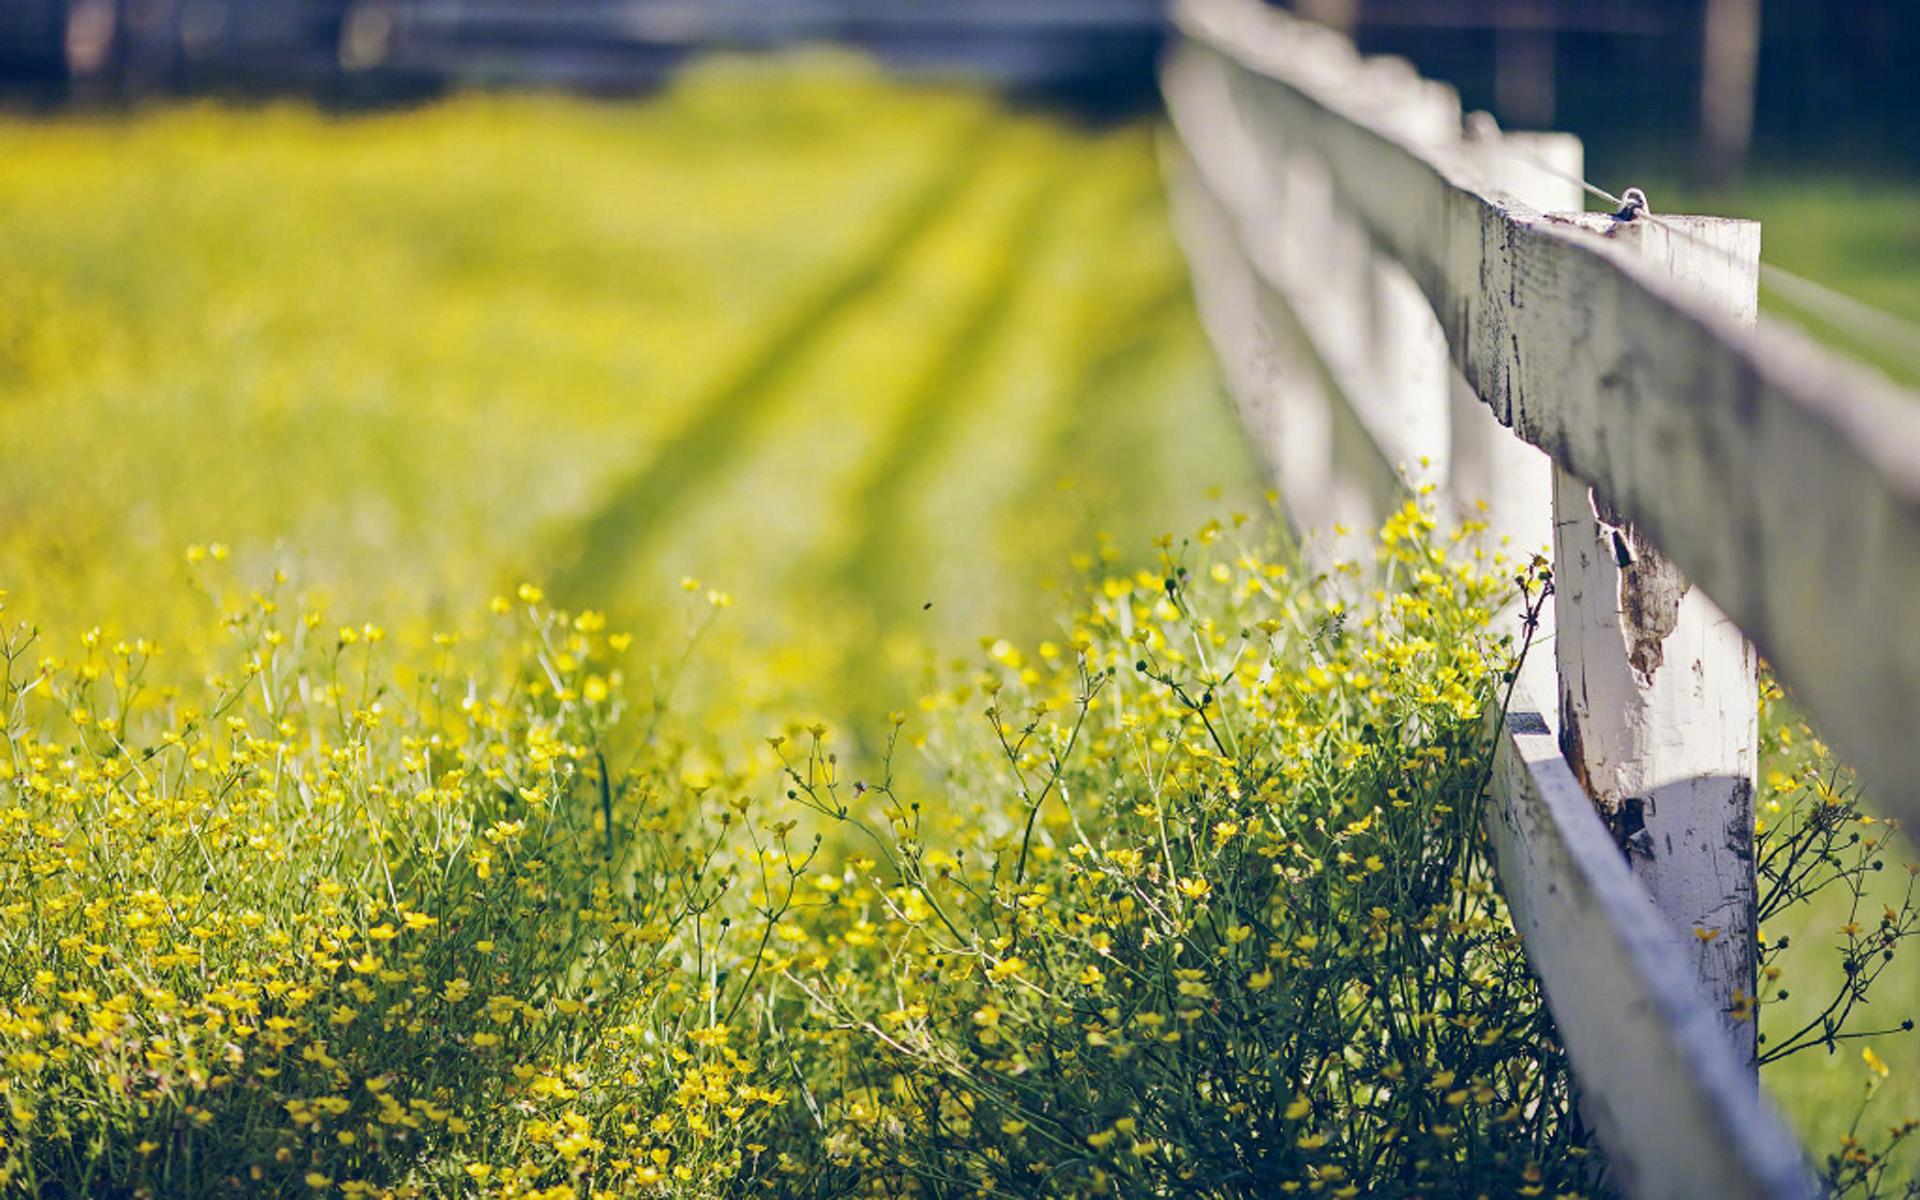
(1782, 479)
(1489, 471)
(1659, 703)
(1491, 474)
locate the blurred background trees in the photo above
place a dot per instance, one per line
(1708, 85)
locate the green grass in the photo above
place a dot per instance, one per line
(828, 343)
(1822, 1091)
(1859, 236)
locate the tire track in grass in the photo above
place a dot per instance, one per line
(1108, 308)
(867, 568)
(838, 410)
(987, 534)
(1155, 400)
(774, 531)
(1142, 433)
(633, 512)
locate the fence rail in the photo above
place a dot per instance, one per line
(1384, 287)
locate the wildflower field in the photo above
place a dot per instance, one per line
(570, 650)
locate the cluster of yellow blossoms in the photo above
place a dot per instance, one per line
(1188, 898)
(297, 914)
(1197, 907)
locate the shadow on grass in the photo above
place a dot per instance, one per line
(636, 509)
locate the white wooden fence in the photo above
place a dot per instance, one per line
(1385, 292)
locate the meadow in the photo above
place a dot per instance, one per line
(500, 600)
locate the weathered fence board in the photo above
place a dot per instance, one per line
(1347, 236)
(1485, 462)
(1659, 700)
(1675, 1109)
(1696, 431)
(1288, 396)
(1360, 314)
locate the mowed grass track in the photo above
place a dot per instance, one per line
(873, 359)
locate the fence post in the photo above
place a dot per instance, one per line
(1658, 696)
